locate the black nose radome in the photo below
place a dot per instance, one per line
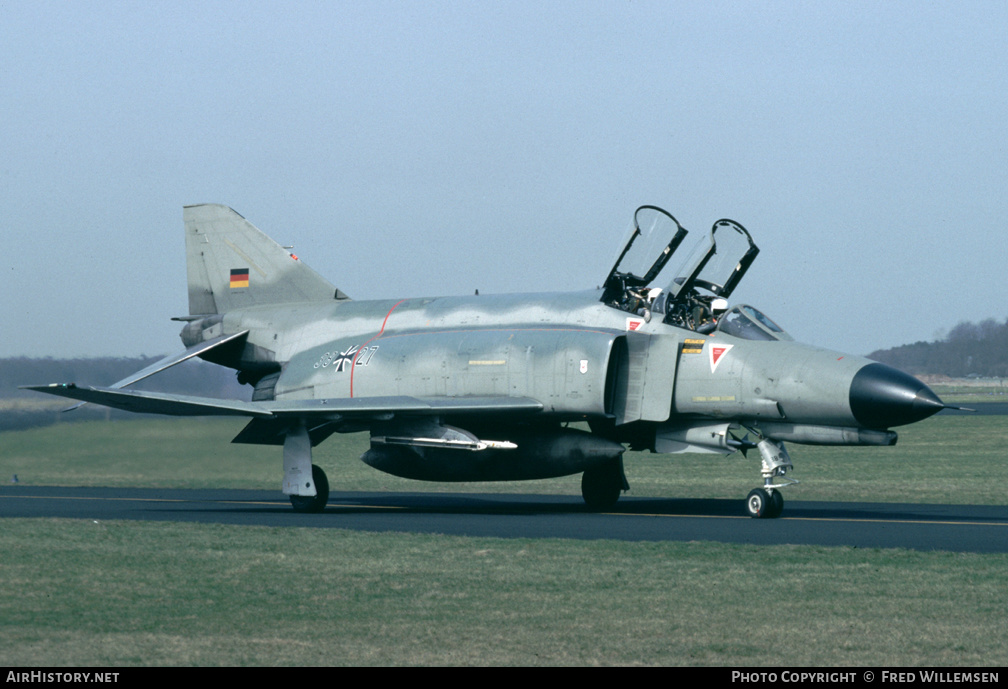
(882, 397)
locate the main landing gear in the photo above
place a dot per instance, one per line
(304, 482)
(601, 485)
(767, 502)
(317, 502)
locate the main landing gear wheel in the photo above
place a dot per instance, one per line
(317, 502)
(601, 485)
(764, 504)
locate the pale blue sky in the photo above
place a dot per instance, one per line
(430, 148)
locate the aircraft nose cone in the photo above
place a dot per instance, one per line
(882, 397)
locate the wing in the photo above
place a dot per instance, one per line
(185, 405)
(271, 419)
(324, 417)
(154, 402)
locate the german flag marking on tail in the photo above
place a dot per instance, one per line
(239, 277)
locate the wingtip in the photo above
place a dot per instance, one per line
(53, 389)
(49, 387)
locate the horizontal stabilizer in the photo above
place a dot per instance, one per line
(173, 359)
(168, 362)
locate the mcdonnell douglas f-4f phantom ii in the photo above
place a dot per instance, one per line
(484, 388)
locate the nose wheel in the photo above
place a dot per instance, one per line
(765, 504)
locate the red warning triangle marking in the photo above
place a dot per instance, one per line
(717, 353)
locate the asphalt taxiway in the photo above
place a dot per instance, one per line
(956, 528)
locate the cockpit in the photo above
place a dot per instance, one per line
(750, 323)
(695, 294)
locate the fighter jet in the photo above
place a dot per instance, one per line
(517, 386)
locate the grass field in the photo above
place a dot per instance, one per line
(970, 391)
(945, 459)
(124, 593)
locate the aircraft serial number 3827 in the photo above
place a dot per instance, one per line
(484, 388)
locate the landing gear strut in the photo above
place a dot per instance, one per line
(601, 485)
(767, 502)
(304, 482)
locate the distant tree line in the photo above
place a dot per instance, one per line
(969, 350)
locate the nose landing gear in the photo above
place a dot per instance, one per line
(767, 502)
(764, 504)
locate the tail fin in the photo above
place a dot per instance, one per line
(231, 264)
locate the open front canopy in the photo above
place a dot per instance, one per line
(654, 237)
(689, 296)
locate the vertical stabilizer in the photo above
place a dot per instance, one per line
(231, 265)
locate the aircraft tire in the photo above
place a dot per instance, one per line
(316, 503)
(776, 505)
(758, 503)
(601, 486)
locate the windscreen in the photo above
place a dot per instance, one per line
(750, 323)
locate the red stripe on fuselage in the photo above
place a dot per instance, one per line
(353, 365)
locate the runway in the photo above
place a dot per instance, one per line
(956, 528)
